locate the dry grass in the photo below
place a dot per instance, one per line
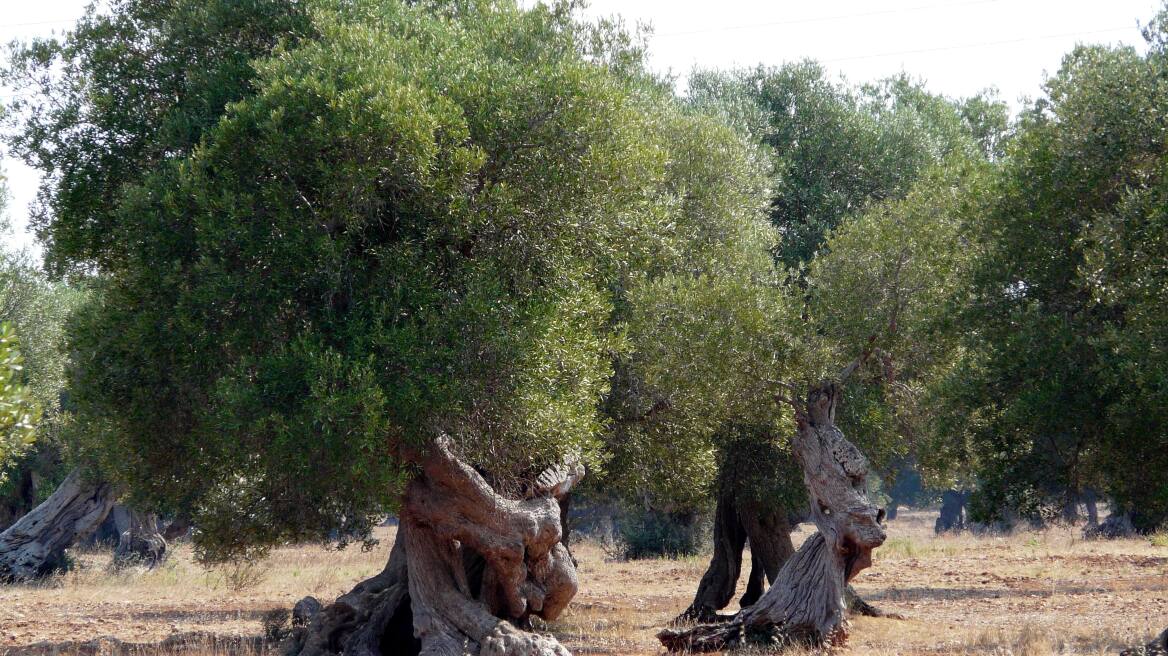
(1022, 595)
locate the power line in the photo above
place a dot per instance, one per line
(820, 19)
(981, 44)
(36, 23)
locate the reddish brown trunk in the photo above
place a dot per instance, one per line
(468, 567)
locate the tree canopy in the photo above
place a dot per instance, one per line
(411, 221)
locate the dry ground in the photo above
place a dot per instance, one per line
(1030, 593)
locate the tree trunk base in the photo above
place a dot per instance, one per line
(805, 605)
(735, 521)
(468, 569)
(141, 543)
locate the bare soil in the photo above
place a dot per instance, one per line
(1030, 593)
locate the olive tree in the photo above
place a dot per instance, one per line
(1068, 287)
(376, 258)
(838, 157)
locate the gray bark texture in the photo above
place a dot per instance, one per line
(467, 572)
(735, 521)
(35, 545)
(141, 543)
(806, 603)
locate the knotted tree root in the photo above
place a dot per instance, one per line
(468, 570)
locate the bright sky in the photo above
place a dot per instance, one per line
(958, 46)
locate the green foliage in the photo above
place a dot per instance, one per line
(18, 410)
(707, 350)
(37, 309)
(411, 221)
(838, 149)
(157, 74)
(657, 534)
(1060, 386)
(891, 273)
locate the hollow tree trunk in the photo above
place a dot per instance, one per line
(35, 545)
(141, 543)
(806, 602)
(109, 532)
(468, 569)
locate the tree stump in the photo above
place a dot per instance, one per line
(806, 603)
(467, 572)
(35, 545)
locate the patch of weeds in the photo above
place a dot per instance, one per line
(240, 575)
(902, 547)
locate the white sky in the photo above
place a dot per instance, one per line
(958, 46)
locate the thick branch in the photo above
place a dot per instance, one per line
(35, 545)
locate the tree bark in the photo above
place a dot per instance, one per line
(141, 543)
(35, 545)
(806, 603)
(952, 517)
(468, 569)
(737, 520)
(769, 533)
(1090, 499)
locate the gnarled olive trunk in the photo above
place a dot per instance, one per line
(468, 570)
(35, 545)
(736, 520)
(806, 602)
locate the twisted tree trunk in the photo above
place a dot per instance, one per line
(806, 602)
(35, 545)
(735, 521)
(468, 570)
